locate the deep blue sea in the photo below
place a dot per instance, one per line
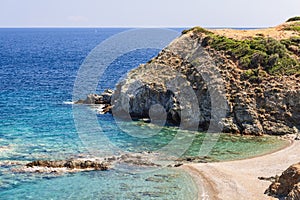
(38, 68)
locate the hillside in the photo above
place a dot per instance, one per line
(234, 81)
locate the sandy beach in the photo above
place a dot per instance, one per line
(238, 180)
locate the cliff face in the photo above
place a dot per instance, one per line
(199, 81)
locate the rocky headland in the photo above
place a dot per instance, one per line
(232, 81)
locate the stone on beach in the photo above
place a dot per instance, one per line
(288, 184)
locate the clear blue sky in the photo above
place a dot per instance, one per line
(142, 13)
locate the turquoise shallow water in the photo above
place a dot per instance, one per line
(164, 184)
(38, 70)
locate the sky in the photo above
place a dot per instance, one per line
(150, 13)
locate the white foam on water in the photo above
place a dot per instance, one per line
(69, 102)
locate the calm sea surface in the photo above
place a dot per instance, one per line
(38, 68)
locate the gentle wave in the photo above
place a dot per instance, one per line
(69, 102)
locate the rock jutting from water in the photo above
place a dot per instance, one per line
(103, 99)
(70, 164)
(144, 159)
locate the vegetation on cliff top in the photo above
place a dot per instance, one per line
(274, 57)
(258, 53)
(297, 18)
(197, 29)
(293, 27)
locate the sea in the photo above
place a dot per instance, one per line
(38, 69)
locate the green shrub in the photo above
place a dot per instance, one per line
(185, 31)
(253, 75)
(196, 29)
(244, 62)
(293, 27)
(297, 18)
(249, 72)
(258, 52)
(272, 60)
(293, 41)
(258, 59)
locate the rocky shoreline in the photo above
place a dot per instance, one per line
(146, 160)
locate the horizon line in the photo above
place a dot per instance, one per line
(133, 27)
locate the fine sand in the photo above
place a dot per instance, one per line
(238, 180)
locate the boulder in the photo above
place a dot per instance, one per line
(287, 185)
(93, 99)
(104, 98)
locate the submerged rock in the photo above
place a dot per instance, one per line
(70, 164)
(196, 159)
(143, 159)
